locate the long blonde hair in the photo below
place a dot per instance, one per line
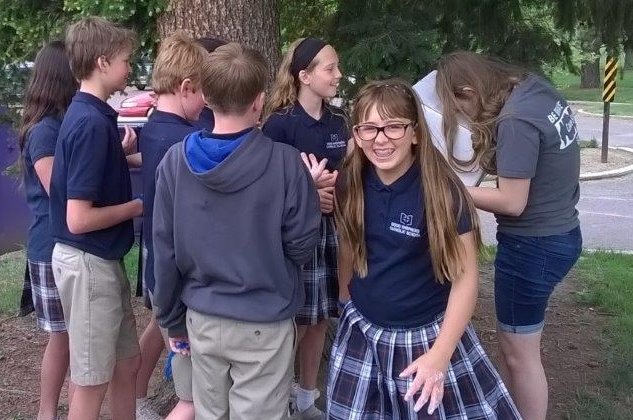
(443, 192)
(491, 81)
(285, 88)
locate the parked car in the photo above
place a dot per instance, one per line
(140, 105)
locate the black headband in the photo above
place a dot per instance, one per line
(304, 54)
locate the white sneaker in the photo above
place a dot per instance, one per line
(144, 410)
(294, 389)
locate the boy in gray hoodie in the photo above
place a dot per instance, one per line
(235, 216)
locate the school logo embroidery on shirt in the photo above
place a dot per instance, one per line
(404, 227)
(406, 219)
(334, 142)
(565, 124)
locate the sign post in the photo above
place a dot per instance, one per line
(608, 94)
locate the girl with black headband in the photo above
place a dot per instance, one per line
(299, 114)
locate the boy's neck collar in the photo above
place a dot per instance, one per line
(227, 124)
(95, 89)
(170, 103)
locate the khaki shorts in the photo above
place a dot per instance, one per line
(181, 371)
(95, 295)
(180, 365)
(241, 370)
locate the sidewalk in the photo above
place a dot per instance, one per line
(619, 163)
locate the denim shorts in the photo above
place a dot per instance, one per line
(527, 268)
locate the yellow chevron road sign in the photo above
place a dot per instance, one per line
(610, 71)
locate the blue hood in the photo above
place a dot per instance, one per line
(205, 150)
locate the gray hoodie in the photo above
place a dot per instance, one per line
(230, 241)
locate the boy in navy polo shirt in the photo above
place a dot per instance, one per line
(207, 120)
(91, 211)
(176, 82)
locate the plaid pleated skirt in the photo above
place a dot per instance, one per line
(320, 278)
(46, 300)
(366, 360)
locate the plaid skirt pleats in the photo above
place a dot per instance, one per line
(46, 300)
(366, 360)
(320, 278)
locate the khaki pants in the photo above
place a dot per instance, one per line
(241, 370)
(95, 296)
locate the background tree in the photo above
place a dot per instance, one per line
(381, 38)
(609, 22)
(303, 18)
(254, 23)
(26, 25)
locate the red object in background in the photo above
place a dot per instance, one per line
(140, 105)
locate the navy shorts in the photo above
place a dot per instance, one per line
(527, 268)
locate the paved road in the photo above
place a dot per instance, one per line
(606, 214)
(620, 129)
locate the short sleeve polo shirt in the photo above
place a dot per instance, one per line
(325, 138)
(162, 130)
(90, 165)
(400, 289)
(40, 143)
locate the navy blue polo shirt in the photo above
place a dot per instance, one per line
(206, 121)
(90, 165)
(40, 143)
(325, 138)
(162, 130)
(400, 289)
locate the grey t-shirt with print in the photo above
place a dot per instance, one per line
(537, 139)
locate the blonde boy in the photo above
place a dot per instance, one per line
(91, 210)
(176, 81)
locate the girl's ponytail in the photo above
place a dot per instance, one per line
(285, 89)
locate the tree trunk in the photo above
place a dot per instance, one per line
(254, 23)
(628, 58)
(590, 74)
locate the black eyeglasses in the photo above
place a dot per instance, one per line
(393, 131)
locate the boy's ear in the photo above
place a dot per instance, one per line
(260, 100)
(185, 86)
(102, 63)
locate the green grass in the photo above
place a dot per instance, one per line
(11, 279)
(607, 281)
(131, 266)
(615, 108)
(569, 85)
(487, 254)
(12, 275)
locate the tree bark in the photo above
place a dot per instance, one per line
(254, 23)
(628, 58)
(590, 74)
